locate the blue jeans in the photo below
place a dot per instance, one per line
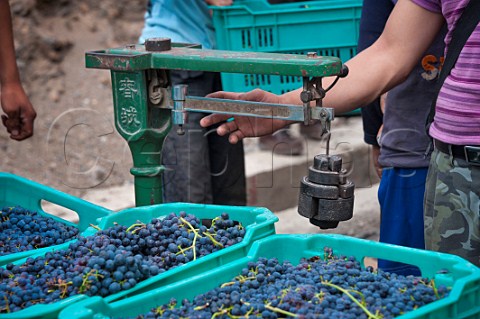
(401, 194)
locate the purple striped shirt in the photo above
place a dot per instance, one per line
(457, 117)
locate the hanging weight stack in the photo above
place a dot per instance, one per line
(326, 194)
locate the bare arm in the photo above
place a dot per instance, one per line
(408, 33)
(19, 112)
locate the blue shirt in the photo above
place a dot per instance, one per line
(184, 21)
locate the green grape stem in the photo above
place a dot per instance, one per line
(220, 312)
(278, 310)
(435, 290)
(134, 225)
(197, 308)
(369, 314)
(95, 227)
(215, 242)
(7, 306)
(194, 238)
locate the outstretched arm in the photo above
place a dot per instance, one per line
(19, 112)
(408, 33)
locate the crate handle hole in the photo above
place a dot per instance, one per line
(370, 262)
(59, 211)
(396, 267)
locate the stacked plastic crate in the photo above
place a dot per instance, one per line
(327, 27)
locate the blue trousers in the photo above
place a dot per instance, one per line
(401, 195)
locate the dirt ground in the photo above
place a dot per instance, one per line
(75, 146)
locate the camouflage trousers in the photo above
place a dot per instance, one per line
(452, 207)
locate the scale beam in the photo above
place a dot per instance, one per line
(146, 105)
(136, 58)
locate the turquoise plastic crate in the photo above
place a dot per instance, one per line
(258, 222)
(328, 27)
(464, 278)
(16, 190)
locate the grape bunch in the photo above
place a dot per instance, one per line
(114, 259)
(23, 230)
(333, 288)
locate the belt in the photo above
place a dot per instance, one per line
(468, 153)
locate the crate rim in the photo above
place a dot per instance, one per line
(451, 300)
(40, 192)
(290, 7)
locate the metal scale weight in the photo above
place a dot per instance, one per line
(146, 106)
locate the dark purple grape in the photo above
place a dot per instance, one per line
(112, 260)
(315, 288)
(23, 230)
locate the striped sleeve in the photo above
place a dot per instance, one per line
(430, 5)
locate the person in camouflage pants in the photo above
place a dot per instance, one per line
(452, 207)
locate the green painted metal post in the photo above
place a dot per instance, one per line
(138, 71)
(144, 128)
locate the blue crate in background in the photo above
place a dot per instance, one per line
(327, 27)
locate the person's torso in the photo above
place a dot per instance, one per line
(457, 114)
(185, 21)
(404, 140)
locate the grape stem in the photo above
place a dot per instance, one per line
(201, 307)
(134, 225)
(369, 314)
(95, 227)
(7, 306)
(241, 279)
(216, 243)
(278, 310)
(435, 290)
(194, 238)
